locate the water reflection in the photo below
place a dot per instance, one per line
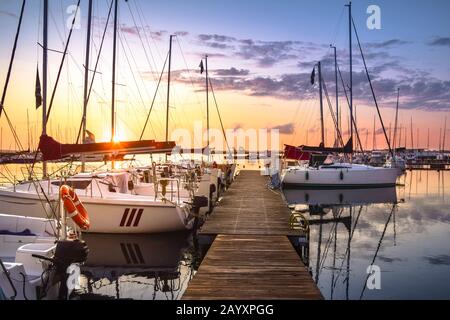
(403, 230)
(151, 267)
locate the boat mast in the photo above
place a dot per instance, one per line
(28, 130)
(443, 138)
(351, 74)
(207, 103)
(168, 88)
(321, 105)
(113, 95)
(374, 138)
(86, 80)
(44, 78)
(338, 119)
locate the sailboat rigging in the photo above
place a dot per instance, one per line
(340, 174)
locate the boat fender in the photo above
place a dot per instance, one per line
(341, 197)
(307, 175)
(341, 175)
(130, 185)
(306, 197)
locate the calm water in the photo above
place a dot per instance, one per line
(142, 267)
(405, 231)
(409, 241)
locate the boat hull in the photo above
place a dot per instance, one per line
(107, 215)
(339, 178)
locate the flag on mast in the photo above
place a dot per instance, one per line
(38, 94)
(201, 67)
(313, 75)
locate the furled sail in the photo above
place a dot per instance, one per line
(53, 150)
(348, 148)
(295, 153)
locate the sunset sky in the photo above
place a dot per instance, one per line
(261, 54)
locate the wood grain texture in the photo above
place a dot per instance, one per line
(251, 257)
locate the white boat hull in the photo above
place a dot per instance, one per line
(138, 215)
(356, 176)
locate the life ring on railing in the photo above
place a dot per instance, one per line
(74, 207)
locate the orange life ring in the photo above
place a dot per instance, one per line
(74, 207)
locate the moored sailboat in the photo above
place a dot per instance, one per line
(339, 174)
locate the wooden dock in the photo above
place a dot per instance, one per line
(251, 257)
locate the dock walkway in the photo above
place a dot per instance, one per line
(251, 257)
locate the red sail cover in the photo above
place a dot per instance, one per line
(53, 150)
(295, 153)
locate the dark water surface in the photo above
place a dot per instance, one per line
(405, 231)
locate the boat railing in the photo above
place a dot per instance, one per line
(164, 183)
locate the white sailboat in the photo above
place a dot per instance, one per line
(112, 208)
(340, 175)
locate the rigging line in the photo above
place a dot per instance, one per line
(154, 97)
(189, 73)
(132, 74)
(140, 39)
(139, 73)
(350, 239)
(140, 76)
(144, 29)
(191, 81)
(13, 54)
(328, 243)
(38, 37)
(62, 62)
(338, 25)
(294, 118)
(378, 248)
(371, 89)
(333, 116)
(96, 66)
(218, 113)
(141, 18)
(348, 103)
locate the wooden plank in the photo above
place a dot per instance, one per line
(249, 207)
(252, 267)
(251, 257)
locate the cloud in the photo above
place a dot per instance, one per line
(9, 14)
(158, 34)
(438, 260)
(217, 45)
(215, 37)
(232, 72)
(387, 44)
(287, 128)
(266, 53)
(136, 31)
(440, 41)
(129, 30)
(181, 33)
